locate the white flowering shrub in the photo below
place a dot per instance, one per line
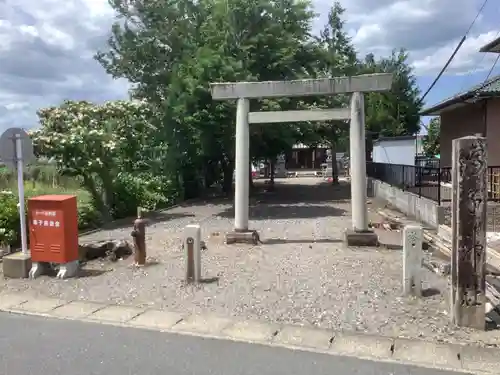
(107, 146)
(86, 138)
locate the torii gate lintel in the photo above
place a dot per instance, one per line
(359, 234)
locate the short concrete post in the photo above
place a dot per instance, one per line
(192, 245)
(139, 237)
(412, 260)
(242, 165)
(469, 200)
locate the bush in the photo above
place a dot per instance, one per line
(9, 219)
(142, 190)
(130, 191)
(88, 216)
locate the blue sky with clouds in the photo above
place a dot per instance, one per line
(46, 47)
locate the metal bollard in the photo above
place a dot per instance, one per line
(192, 245)
(139, 237)
(412, 260)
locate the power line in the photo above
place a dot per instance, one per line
(491, 70)
(454, 52)
(480, 62)
(477, 16)
(444, 67)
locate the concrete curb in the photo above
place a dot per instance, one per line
(471, 359)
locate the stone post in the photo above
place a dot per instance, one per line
(280, 171)
(192, 245)
(360, 235)
(412, 260)
(329, 164)
(468, 261)
(139, 237)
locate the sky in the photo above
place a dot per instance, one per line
(47, 47)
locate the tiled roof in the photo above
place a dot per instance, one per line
(486, 89)
(491, 86)
(493, 46)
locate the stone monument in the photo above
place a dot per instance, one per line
(280, 167)
(468, 260)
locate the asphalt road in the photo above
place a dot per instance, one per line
(40, 346)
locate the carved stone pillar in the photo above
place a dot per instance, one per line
(468, 263)
(280, 169)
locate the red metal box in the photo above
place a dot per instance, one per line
(53, 228)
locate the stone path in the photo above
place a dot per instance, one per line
(302, 274)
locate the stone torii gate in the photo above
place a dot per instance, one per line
(271, 117)
(359, 235)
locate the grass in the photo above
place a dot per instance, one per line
(34, 189)
(41, 179)
(82, 196)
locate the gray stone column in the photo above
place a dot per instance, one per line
(358, 163)
(280, 168)
(359, 235)
(329, 164)
(242, 166)
(468, 261)
(241, 233)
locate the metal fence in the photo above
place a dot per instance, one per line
(419, 180)
(429, 182)
(423, 161)
(493, 178)
(435, 184)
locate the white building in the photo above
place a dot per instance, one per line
(397, 150)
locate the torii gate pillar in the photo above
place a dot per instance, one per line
(359, 234)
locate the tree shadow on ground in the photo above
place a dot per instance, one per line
(270, 212)
(390, 246)
(151, 218)
(88, 272)
(430, 292)
(157, 217)
(493, 319)
(278, 241)
(322, 192)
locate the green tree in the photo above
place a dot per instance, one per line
(171, 51)
(337, 58)
(431, 143)
(396, 112)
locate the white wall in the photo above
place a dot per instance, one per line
(395, 152)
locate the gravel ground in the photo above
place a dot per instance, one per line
(302, 273)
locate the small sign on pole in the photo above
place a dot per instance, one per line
(16, 150)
